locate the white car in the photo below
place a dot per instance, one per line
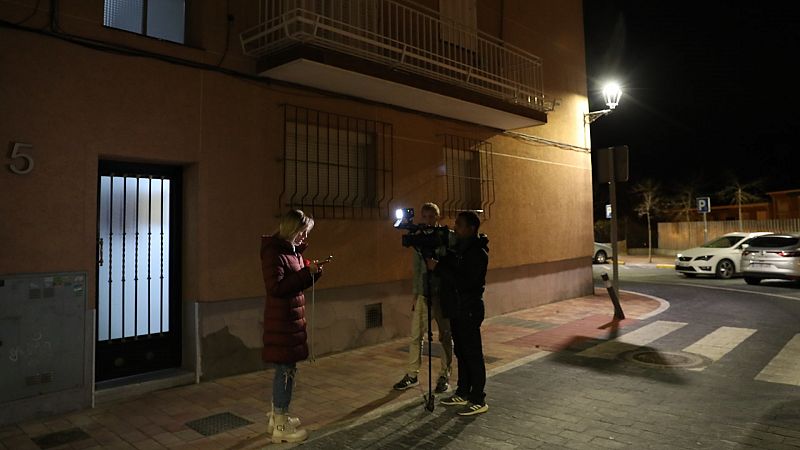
(602, 253)
(721, 257)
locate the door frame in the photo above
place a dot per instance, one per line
(173, 343)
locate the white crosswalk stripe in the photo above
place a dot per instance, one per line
(785, 366)
(636, 338)
(719, 343)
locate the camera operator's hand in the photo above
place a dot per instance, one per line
(431, 263)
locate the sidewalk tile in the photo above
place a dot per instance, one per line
(333, 389)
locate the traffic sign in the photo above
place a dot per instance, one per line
(608, 211)
(704, 205)
(612, 164)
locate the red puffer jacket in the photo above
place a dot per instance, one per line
(286, 275)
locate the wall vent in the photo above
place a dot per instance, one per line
(374, 315)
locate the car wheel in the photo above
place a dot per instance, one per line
(725, 269)
(690, 275)
(751, 280)
(600, 257)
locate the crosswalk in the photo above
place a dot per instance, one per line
(783, 368)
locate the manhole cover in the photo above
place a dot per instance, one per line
(654, 358)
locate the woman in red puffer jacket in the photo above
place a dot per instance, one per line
(286, 275)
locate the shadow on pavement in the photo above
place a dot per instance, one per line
(664, 374)
(410, 427)
(785, 416)
(783, 284)
(356, 413)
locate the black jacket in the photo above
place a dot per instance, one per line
(463, 273)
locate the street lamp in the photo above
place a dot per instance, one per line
(611, 93)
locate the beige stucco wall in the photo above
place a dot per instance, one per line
(77, 105)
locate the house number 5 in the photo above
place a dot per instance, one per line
(22, 162)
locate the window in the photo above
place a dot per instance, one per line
(774, 241)
(162, 19)
(336, 166)
(723, 242)
(468, 175)
(464, 15)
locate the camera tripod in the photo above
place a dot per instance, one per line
(430, 397)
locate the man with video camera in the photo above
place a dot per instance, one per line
(463, 274)
(419, 317)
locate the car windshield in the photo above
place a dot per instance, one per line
(723, 242)
(774, 241)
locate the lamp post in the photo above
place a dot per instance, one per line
(612, 93)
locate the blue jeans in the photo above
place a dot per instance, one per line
(282, 386)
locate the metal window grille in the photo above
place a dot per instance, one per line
(336, 166)
(468, 177)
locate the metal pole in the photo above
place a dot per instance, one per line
(614, 222)
(705, 227)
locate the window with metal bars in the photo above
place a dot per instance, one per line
(336, 166)
(468, 180)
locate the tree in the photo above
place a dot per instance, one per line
(740, 193)
(649, 205)
(683, 203)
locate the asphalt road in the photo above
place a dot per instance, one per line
(720, 368)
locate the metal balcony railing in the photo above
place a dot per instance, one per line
(413, 39)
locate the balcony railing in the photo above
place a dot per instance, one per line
(406, 38)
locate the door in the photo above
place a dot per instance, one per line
(138, 269)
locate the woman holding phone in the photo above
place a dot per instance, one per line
(286, 275)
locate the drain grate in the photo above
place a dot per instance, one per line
(59, 438)
(666, 360)
(218, 423)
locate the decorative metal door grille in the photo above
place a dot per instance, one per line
(469, 182)
(336, 166)
(134, 295)
(138, 292)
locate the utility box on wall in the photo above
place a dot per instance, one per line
(45, 361)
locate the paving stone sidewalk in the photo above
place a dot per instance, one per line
(331, 393)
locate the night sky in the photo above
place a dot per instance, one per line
(709, 90)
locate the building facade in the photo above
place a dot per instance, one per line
(149, 149)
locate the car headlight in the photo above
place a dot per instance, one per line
(704, 258)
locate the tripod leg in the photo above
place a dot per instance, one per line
(429, 404)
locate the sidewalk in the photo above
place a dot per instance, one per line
(659, 261)
(331, 392)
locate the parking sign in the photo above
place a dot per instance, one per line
(608, 211)
(703, 205)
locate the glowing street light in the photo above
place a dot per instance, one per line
(611, 93)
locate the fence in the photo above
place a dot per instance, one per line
(683, 235)
(413, 39)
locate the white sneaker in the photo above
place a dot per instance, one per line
(285, 431)
(271, 422)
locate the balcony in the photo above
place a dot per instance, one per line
(389, 52)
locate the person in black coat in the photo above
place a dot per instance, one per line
(463, 274)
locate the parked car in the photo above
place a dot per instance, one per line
(720, 257)
(774, 256)
(602, 253)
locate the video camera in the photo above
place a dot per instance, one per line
(424, 238)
